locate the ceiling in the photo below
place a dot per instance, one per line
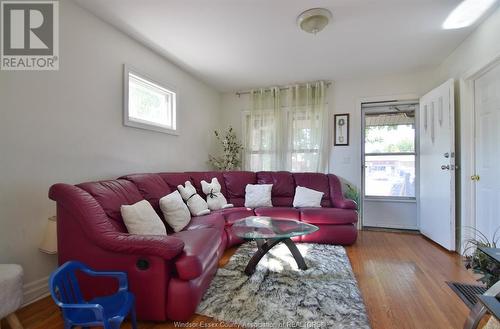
(239, 44)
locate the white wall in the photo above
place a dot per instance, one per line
(344, 97)
(66, 126)
(480, 48)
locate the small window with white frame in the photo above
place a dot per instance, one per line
(148, 104)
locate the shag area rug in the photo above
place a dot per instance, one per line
(279, 295)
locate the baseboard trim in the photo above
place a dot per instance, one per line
(35, 290)
(390, 230)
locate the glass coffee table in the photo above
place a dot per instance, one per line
(267, 233)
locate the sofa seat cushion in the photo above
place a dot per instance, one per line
(200, 248)
(278, 212)
(231, 215)
(328, 216)
(212, 220)
(344, 235)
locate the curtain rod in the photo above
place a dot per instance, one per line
(246, 92)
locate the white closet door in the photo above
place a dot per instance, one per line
(487, 132)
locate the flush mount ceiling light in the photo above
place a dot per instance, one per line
(314, 20)
(466, 13)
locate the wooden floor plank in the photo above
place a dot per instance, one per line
(401, 276)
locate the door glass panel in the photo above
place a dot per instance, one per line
(389, 139)
(390, 175)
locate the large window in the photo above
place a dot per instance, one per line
(389, 155)
(299, 146)
(148, 104)
(260, 145)
(305, 146)
(286, 128)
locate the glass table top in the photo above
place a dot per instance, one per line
(259, 227)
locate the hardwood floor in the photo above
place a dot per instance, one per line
(402, 279)
(401, 276)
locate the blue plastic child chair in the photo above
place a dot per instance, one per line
(107, 311)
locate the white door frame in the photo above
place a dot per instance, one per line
(468, 148)
(373, 99)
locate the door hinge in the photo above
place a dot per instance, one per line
(475, 178)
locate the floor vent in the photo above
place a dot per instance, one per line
(467, 292)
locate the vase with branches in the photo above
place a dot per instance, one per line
(479, 262)
(231, 151)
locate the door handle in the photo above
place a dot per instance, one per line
(445, 167)
(475, 178)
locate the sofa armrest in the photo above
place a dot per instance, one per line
(166, 247)
(336, 196)
(345, 204)
(98, 228)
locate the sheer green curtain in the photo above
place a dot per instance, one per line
(307, 125)
(287, 129)
(263, 146)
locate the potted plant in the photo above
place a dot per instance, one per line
(477, 261)
(231, 151)
(351, 192)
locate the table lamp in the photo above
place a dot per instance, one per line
(49, 241)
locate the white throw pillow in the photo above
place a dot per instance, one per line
(306, 197)
(176, 212)
(141, 218)
(258, 195)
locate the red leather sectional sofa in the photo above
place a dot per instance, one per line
(169, 274)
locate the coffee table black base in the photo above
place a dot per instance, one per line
(263, 248)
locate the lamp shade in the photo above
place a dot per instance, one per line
(49, 241)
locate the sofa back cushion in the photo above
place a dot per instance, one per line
(283, 186)
(152, 187)
(198, 176)
(315, 181)
(111, 195)
(173, 179)
(236, 182)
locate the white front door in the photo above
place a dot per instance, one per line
(437, 165)
(487, 126)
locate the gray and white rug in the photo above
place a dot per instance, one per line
(279, 295)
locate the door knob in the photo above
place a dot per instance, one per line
(475, 177)
(445, 167)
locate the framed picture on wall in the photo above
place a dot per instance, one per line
(341, 129)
